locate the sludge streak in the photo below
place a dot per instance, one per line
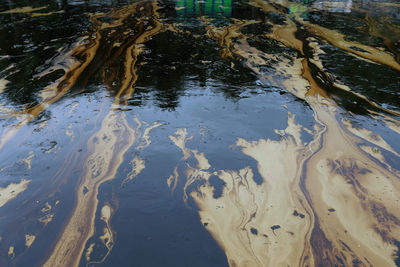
(106, 153)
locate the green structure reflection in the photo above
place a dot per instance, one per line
(299, 9)
(189, 8)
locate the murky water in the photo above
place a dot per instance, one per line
(200, 133)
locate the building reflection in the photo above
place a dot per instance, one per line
(190, 8)
(333, 6)
(302, 9)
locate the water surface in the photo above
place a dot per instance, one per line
(199, 133)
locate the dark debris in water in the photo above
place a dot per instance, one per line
(275, 227)
(296, 213)
(254, 231)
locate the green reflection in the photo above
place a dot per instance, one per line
(188, 8)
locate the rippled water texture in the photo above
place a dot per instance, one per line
(200, 133)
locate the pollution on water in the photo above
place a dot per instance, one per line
(200, 133)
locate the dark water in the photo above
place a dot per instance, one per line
(200, 133)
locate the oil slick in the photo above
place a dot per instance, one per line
(11, 253)
(28, 160)
(254, 224)
(81, 62)
(138, 165)
(26, 9)
(369, 136)
(3, 84)
(108, 146)
(29, 239)
(245, 218)
(106, 239)
(12, 191)
(225, 35)
(330, 200)
(179, 138)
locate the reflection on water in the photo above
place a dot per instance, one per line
(199, 133)
(331, 6)
(201, 8)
